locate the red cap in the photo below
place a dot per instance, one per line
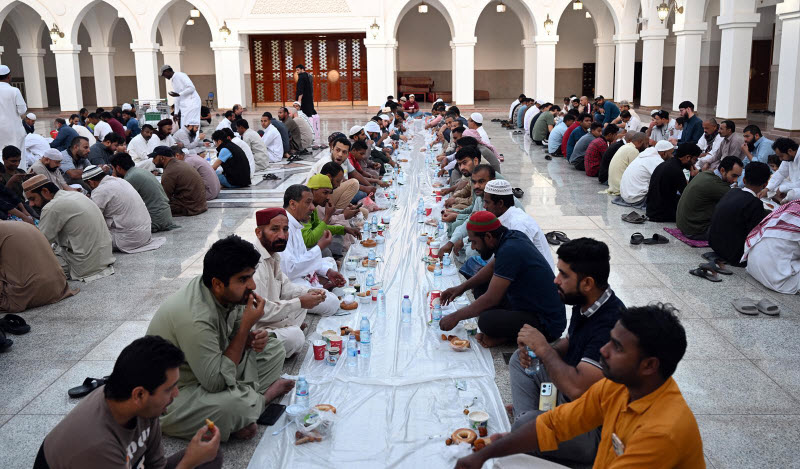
(264, 216)
(483, 221)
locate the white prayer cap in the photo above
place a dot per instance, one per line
(476, 117)
(498, 187)
(355, 129)
(4, 70)
(440, 100)
(296, 103)
(654, 112)
(372, 127)
(31, 116)
(52, 154)
(663, 145)
(539, 102)
(624, 102)
(91, 171)
(412, 94)
(385, 117)
(126, 107)
(164, 68)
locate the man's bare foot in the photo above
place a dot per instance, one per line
(303, 326)
(278, 389)
(246, 433)
(488, 342)
(510, 409)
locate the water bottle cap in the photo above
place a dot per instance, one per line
(363, 317)
(380, 291)
(301, 378)
(405, 296)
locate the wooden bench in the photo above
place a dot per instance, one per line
(418, 86)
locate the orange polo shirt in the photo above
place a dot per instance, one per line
(656, 431)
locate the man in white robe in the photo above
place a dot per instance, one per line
(139, 148)
(272, 139)
(187, 101)
(34, 147)
(12, 108)
(256, 146)
(772, 250)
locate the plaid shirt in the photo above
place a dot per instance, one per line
(594, 155)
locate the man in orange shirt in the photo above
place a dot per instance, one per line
(646, 422)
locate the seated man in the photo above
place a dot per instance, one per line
(668, 182)
(204, 169)
(340, 199)
(321, 189)
(182, 184)
(622, 158)
(608, 156)
(784, 185)
(308, 267)
(544, 125)
(117, 425)
(248, 153)
(737, 213)
(772, 249)
(139, 147)
(557, 135)
(101, 152)
(72, 222)
(584, 125)
(74, 160)
(579, 150)
(31, 275)
(253, 141)
(572, 364)
(49, 167)
(150, 190)
(636, 178)
(285, 302)
(12, 176)
(643, 415)
(306, 132)
(702, 194)
(231, 372)
(295, 139)
(594, 154)
(513, 289)
(65, 135)
(126, 214)
(190, 137)
(339, 154)
(235, 168)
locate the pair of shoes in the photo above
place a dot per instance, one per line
(556, 237)
(749, 307)
(14, 324)
(638, 238)
(518, 192)
(271, 177)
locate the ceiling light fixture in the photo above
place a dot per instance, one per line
(501, 7)
(189, 22)
(577, 5)
(422, 8)
(194, 13)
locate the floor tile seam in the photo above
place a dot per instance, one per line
(42, 390)
(788, 392)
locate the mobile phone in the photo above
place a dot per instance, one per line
(271, 414)
(547, 397)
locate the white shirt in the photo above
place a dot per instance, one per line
(301, 264)
(672, 131)
(35, 146)
(786, 178)
(633, 124)
(247, 152)
(138, 148)
(224, 123)
(516, 219)
(701, 142)
(636, 178)
(511, 109)
(12, 107)
(272, 139)
(125, 213)
(530, 113)
(189, 101)
(84, 132)
(101, 129)
(484, 136)
(157, 142)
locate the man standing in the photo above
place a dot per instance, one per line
(149, 189)
(187, 101)
(182, 184)
(286, 304)
(305, 95)
(272, 140)
(74, 223)
(12, 108)
(668, 182)
(65, 135)
(231, 372)
(702, 194)
(126, 214)
(235, 168)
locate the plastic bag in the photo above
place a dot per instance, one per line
(316, 425)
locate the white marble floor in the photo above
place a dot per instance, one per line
(741, 375)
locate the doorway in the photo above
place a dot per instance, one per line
(760, 64)
(587, 83)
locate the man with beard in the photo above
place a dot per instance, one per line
(162, 136)
(701, 195)
(286, 303)
(643, 415)
(49, 167)
(515, 288)
(307, 267)
(122, 418)
(295, 139)
(139, 148)
(72, 222)
(231, 371)
(189, 137)
(692, 125)
(101, 152)
(668, 182)
(572, 364)
(181, 182)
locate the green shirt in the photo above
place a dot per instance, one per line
(697, 203)
(154, 198)
(540, 129)
(314, 229)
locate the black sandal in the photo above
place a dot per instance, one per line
(89, 385)
(518, 192)
(656, 239)
(5, 343)
(706, 273)
(637, 238)
(551, 238)
(720, 269)
(14, 324)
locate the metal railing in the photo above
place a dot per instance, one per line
(21, 86)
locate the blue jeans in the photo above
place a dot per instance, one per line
(359, 195)
(224, 181)
(414, 114)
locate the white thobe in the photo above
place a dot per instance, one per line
(484, 136)
(84, 132)
(272, 139)
(34, 147)
(300, 264)
(12, 107)
(188, 103)
(712, 151)
(636, 178)
(101, 129)
(155, 141)
(306, 133)
(247, 152)
(258, 148)
(224, 123)
(511, 109)
(786, 179)
(125, 213)
(138, 148)
(529, 115)
(775, 263)
(516, 219)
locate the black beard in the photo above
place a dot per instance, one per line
(571, 298)
(52, 170)
(192, 133)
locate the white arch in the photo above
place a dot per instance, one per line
(37, 6)
(520, 8)
(122, 10)
(155, 21)
(602, 12)
(398, 10)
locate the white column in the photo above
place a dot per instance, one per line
(604, 67)
(734, 64)
(624, 62)
(229, 71)
(2, 49)
(546, 68)
(652, 66)
(70, 93)
(464, 71)
(104, 79)
(787, 116)
(147, 76)
(529, 68)
(33, 69)
(173, 56)
(380, 71)
(688, 44)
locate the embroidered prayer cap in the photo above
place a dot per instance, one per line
(663, 145)
(91, 171)
(498, 187)
(264, 216)
(483, 221)
(34, 183)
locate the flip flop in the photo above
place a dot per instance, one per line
(706, 273)
(14, 324)
(746, 306)
(710, 256)
(768, 307)
(635, 218)
(561, 236)
(547, 157)
(5, 343)
(637, 238)
(656, 239)
(718, 267)
(89, 385)
(519, 193)
(551, 238)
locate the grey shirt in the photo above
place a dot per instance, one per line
(581, 146)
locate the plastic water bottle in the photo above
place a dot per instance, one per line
(371, 255)
(352, 350)
(364, 330)
(301, 391)
(381, 302)
(445, 261)
(535, 363)
(375, 220)
(370, 280)
(437, 314)
(406, 309)
(437, 277)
